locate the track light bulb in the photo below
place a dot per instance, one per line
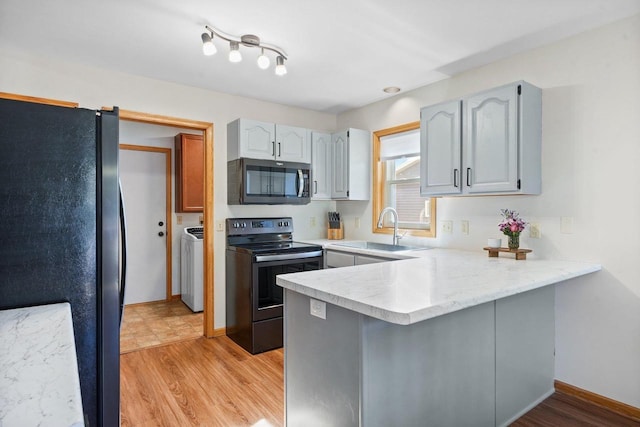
(208, 48)
(281, 69)
(234, 53)
(263, 61)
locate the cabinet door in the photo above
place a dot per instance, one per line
(340, 173)
(321, 166)
(336, 259)
(440, 149)
(189, 156)
(292, 144)
(364, 259)
(491, 141)
(257, 139)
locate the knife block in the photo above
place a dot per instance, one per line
(335, 233)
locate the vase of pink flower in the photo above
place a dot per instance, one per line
(512, 225)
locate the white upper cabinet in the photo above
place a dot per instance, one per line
(293, 144)
(250, 138)
(261, 140)
(351, 165)
(486, 143)
(440, 149)
(321, 166)
(491, 150)
(340, 159)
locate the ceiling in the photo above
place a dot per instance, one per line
(342, 53)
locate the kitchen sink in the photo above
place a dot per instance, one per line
(380, 246)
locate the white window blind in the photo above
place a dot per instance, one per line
(405, 144)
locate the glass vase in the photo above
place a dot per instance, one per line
(514, 241)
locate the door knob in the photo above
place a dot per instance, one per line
(161, 223)
(161, 234)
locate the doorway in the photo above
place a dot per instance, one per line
(145, 175)
(207, 130)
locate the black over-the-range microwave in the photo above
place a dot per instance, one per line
(267, 182)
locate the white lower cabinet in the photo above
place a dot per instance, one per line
(364, 259)
(336, 259)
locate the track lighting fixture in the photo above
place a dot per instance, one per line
(281, 70)
(263, 61)
(208, 48)
(248, 40)
(234, 52)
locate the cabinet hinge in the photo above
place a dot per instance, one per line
(518, 184)
(519, 89)
(347, 193)
(347, 134)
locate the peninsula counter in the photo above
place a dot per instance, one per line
(449, 338)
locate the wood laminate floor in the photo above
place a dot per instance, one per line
(214, 382)
(202, 382)
(158, 323)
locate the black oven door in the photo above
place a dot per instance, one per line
(267, 296)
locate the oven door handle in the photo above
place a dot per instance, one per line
(286, 257)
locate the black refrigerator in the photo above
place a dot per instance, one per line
(59, 233)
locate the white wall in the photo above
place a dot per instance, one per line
(94, 88)
(590, 170)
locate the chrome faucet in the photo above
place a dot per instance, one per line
(395, 222)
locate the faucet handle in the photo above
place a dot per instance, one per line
(400, 236)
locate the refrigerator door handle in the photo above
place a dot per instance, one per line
(123, 250)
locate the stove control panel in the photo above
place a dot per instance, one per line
(244, 226)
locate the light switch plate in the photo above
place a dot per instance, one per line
(318, 308)
(464, 226)
(219, 225)
(534, 230)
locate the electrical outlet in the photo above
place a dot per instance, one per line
(464, 226)
(447, 226)
(219, 225)
(318, 308)
(566, 225)
(357, 222)
(201, 219)
(312, 221)
(179, 219)
(534, 230)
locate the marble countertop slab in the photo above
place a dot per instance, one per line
(436, 282)
(39, 382)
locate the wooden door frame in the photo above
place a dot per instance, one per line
(167, 215)
(207, 129)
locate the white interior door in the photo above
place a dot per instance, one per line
(143, 177)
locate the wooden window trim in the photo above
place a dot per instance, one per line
(379, 173)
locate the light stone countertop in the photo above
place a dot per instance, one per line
(436, 282)
(39, 382)
(338, 245)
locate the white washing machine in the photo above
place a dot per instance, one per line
(192, 268)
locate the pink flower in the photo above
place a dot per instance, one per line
(514, 227)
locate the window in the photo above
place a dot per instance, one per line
(396, 180)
